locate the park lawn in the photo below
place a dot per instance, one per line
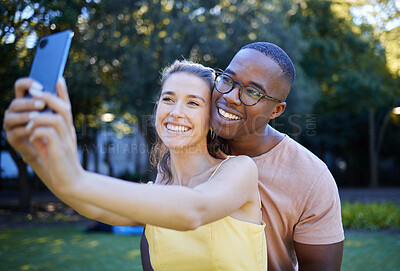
(368, 250)
(67, 248)
(70, 248)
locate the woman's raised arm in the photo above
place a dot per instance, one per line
(19, 114)
(169, 206)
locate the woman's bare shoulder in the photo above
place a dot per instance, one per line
(240, 165)
(241, 160)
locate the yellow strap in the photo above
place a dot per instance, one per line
(227, 157)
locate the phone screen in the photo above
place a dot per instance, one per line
(50, 59)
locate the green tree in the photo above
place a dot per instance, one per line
(22, 22)
(128, 42)
(350, 65)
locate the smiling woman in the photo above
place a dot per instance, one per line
(183, 110)
(202, 212)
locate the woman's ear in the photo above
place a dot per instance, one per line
(278, 110)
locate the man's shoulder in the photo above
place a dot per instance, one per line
(292, 166)
(291, 152)
(304, 153)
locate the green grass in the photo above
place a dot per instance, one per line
(69, 248)
(371, 251)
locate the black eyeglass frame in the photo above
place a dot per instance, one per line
(262, 95)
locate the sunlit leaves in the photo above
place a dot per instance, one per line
(384, 16)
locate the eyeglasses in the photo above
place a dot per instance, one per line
(248, 95)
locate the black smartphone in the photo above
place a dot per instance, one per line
(50, 59)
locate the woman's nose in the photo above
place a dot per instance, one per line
(177, 112)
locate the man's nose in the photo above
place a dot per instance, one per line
(233, 96)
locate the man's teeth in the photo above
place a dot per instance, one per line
(228, 115)
(177, 128)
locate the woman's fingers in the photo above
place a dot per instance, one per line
(50, 120)
(15, 119)
(22, 85)
(17, 134)
(52, 101)
(55, 103)
(44, 135)
(21, 110)
(35, 89)
(62, 90)
(18, 139)
(24, 104)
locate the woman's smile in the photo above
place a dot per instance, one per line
(177, 128)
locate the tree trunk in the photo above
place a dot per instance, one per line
(25, 188)
(373, 156)
(96, 150)
(108, 159)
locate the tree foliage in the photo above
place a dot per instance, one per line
(120, 47)
(349, 63)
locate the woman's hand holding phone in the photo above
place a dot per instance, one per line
(17, 116)
(47, 68)
(23, 115)
(43, 137)
(53, 137)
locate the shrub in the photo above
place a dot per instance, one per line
(372, 216)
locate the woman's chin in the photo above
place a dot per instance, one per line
(186, 148)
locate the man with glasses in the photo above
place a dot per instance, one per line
(300, 201)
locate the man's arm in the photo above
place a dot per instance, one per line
(318, 237)
(319, 257)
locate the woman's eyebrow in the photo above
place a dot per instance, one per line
(193, 96)
(168, 92)
(196, 97)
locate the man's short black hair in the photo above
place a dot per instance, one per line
(276, 54)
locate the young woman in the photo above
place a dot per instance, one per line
(202, 213)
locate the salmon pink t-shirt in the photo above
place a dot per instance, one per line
(300, 202)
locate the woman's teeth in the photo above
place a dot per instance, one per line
(177, 128)
(228, 115)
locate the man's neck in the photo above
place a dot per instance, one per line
(255, 145)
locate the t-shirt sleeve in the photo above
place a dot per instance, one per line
(321, 221)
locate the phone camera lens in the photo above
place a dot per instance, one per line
(43, 43)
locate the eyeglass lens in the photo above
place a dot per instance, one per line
(248, 95)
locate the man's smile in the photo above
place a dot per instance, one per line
(226, 115)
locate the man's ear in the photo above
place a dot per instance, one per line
(278, 110)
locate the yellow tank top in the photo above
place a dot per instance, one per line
(226, 244)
